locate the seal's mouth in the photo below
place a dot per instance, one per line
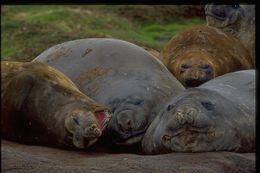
(221, 18)
(131, 140)
(102, 118)
(192, 133)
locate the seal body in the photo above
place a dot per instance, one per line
(237, 20)
(40, 105)
(217, 116)
(202, 53)
(120, 75)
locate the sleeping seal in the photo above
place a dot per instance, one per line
(120, 75)
(237, 20)
(217, 116)
(202, 53)
(40, 105)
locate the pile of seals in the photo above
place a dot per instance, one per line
(115, 92)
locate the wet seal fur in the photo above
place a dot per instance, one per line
(202, 53)
(237, 20)
(120, 75)
(217, 116)
(40, 105)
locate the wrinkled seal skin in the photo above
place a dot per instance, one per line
(202, 53)
(120, 75)
(237, 20)
(217, 116)
(40, 105)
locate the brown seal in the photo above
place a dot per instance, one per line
(202, 53)
(40, 105)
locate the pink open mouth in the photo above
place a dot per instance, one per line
(102, 118)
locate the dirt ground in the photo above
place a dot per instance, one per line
(31, 159)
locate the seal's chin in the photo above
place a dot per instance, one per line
(89, 142)
(85, 143)
(132, 140)
(194, 82)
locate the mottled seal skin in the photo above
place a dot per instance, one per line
(237, 20)
(40, 105)
(120, 75)
(217, 116)
(202, 53)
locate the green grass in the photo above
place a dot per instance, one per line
(28, 30)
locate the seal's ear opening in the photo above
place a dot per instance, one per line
(208, 105)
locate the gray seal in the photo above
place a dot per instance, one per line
(217, 116)
(120, 75)
(40, 105)
(237, 20)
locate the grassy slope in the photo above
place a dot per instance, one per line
(27, 30)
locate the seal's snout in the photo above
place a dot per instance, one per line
(125, 120)
(186, 116)
(195, 76)
(92, 131)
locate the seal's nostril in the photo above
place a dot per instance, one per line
(166, 138)
(190, 116)
(125, 124)
(94, 126)
(180, 118)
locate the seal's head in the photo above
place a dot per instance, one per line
(221, 16)
(192, 68)
(85, 126)
(129, 122)
(190, 123)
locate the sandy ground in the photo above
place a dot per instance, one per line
(31, 159)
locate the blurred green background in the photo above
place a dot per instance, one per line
(28, 30)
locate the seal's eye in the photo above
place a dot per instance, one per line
(204, 66)
(208, 105)
(235, 6)
(139, 102)
(184, 66)
(76, 120)
(169, 107)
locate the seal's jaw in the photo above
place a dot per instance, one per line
(82, 127)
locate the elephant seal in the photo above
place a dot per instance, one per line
(153, 52)
(202, 53)
(237, 20)
(40, 105)
(120, 75)
(217, 116)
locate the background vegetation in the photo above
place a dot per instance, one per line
(28, 30)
